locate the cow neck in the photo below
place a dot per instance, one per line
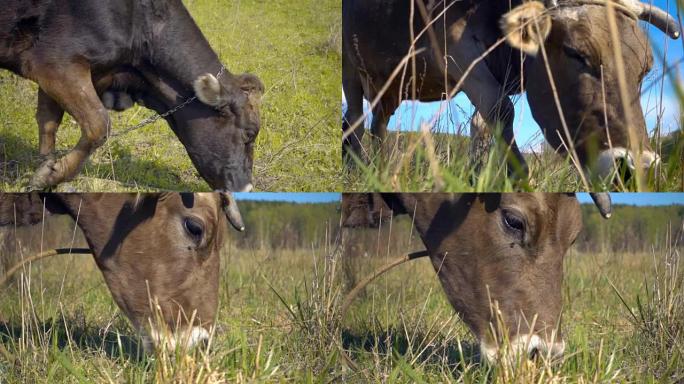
(437, 218)
(20, 209)
(179, 50)
(106, 222)
(504, 61)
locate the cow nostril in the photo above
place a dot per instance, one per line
(202, 344)
(533, 353)
(624, 168)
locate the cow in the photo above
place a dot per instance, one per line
(161, 249)
(67, 45)
(492, 251)
(571, 38)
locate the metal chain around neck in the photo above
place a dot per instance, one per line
(153, 118)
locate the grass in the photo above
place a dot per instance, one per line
(411, 165)
(292, 45)
(278, 321)
(436, 157)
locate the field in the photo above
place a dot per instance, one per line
(439, 161)
(292, 45)
(279, 316)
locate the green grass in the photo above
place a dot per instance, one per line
(406, 166)
(292, 45)
(279, 321)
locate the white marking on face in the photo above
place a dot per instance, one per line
(526, 344)
(171, 340)
(572, 13)
(610, 157)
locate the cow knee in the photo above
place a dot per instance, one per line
(97, 132)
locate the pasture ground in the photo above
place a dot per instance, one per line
(279, 321)
(292, 45)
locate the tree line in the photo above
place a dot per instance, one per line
(278, 225)
(282, 225)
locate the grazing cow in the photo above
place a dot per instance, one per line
(67, 45)
(577, 50)
(165, 244)
(492, 250)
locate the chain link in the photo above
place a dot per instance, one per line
(158, 116)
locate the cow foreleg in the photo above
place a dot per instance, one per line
(517, 167)
(481, 130)
(49, 115)
(480, 142)
(494, 111)
(72, 88)
(381, 116)
(353, 91)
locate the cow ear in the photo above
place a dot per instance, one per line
(20, 209)
(527, 26)
(251, 84)
(253, 88)
(209, 91)
(364, 210)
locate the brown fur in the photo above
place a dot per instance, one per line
(478, 258)
(140, 244)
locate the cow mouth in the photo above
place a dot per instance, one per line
(188, 338)
(231, 187)
(529, 346)
(621, 163)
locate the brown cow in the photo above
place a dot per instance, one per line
(165, 244)
(66, 46)
(492, 250)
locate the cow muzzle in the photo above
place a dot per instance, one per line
(618, 161)
(170, 341)
(529, 346)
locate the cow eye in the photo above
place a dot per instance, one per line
(514, 222)
(576, 55)
(249, 136)
(194, 228)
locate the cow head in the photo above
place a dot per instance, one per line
(219, 129)
(167, 249)
(499, 258)
(223, 147)
(159, 254)
(578, 50)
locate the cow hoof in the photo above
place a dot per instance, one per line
(47, 175)
(48, 157)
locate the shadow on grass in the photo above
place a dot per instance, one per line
(79, 335)
(16, 156)
(19, 159)
(395, 341)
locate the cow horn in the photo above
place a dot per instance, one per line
(602, 201)
(230, 208)
(655, 16)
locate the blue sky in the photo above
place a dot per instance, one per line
(639, 198)
(410, 114)
(618, 198)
